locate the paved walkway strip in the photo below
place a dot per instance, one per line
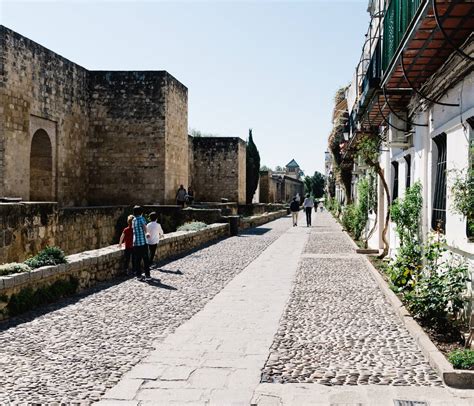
(338, 328)
(216, 357)
(81, 347)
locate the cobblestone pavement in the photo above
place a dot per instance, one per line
(338, 328)
(76, 351)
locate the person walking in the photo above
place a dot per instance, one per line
(294, 208)
(308, 205)
(127, 238)
(140, 247)
(181, 196)
(155, 233)
(190, 196)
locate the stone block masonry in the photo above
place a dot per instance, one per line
(219, 169)
(92, 267)
(83, 137)
(138, 146)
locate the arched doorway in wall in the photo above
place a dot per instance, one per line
(41, 167)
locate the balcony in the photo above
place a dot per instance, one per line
(399, 18)
(371, 80)
(412, 35)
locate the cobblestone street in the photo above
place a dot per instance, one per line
(338, 328)
(228, 324)
(74, 353)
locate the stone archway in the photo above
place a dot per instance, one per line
(41, 167)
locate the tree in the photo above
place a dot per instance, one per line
(265, 168)
(314, 185)
(253, 168)
(279, 168)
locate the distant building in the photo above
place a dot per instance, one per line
(281, 186)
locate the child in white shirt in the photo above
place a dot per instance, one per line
(155, 233)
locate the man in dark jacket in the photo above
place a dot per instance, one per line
(295, 209)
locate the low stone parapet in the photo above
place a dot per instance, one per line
(255, 221)
(30, 289)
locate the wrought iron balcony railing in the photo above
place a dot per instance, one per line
(399, 16)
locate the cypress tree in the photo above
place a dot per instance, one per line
(253, 168)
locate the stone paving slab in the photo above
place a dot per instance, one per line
(216, 357)
(80, 347)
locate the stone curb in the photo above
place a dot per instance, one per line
(455, 378)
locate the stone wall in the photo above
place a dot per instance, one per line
(258, 220)
(291, 187)
(176, 146)
(85, 137)
(127, 144)
(25, 229)
(219, 169)
(92, 267)
(42, 90)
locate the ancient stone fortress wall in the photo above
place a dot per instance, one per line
(44, 122)
(81, 137)
(219, 169)
(90, 267)
(132, 137)
(27, 228)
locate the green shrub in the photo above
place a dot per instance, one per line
(28, 299)
(193, 226)
(462, 359)
(48, 256)
(12, 268)
(349, 217)
(439, 291)
(405, 269)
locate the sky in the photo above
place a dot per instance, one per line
(272, 66)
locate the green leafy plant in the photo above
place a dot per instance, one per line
(193, 226)
(13, 268)
(48, 256)
(405, 269)
(462, 359)
(462, 191)
(438, 295)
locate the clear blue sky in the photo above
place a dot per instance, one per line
(268, 65)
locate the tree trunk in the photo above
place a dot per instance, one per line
(386, 243)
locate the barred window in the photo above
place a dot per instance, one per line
(395, 181)
(408, 171)
(470, 220)
(438, 218)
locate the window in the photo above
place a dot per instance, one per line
(395, 181)
(408, 171)
(470, 220)
(438, 218)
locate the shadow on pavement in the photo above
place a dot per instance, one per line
(178, 272)
(158, 284)
(254, 231)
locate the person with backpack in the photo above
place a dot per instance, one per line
(295, 209)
